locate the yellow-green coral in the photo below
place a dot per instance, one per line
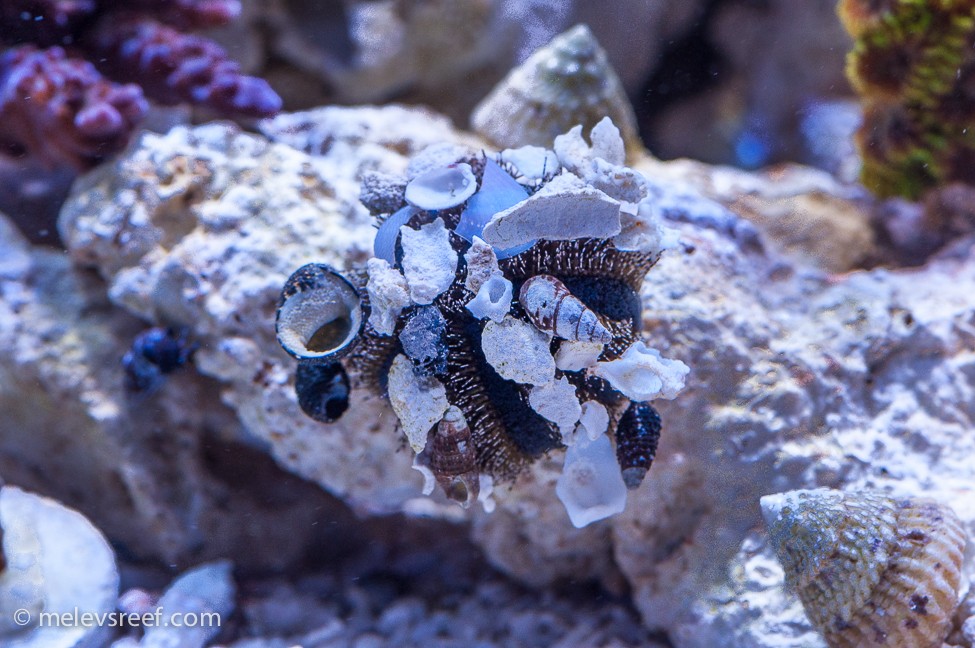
(913, 64)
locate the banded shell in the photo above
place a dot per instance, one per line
(636, 442)
(322, 390)
(453, 460)
(552, 308)
(319, 315)
(870, 570)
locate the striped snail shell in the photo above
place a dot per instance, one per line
(871, 571)
(552, 308)
(453, 460)
(637, 435)
(319, 315)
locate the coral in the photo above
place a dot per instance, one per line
(913, 65)
(514, 403)
(870, 570)
(57, 106)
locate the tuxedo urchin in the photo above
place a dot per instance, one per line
(500, 316)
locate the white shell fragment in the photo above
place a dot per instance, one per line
(552, 308)
(642, 375)
(590, 486)
(56, 562)
(518, 351)
(388, 293)
(493, 299)
(595, 419)
(564, 209)
(557, 402)
(533, 162)
(207, 589)
(429, 479)
(429, 262)
(574, 355)
(601, 165)
(442, 188)
(319, 316)
(482, 262)
(486, 490)
(419, 401)
(643, 229)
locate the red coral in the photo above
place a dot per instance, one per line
(62, 110)
(174, 67)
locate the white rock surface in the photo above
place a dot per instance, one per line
(557, 402)
(642, 375)
(388, 293)
(518, 351)
(565, 208)
(576, 355)
(590, 487)
(419, 401)
(429, 262)
(594, 418)
(493, 298)
(601, 164)
(57, 563)
(482, 262)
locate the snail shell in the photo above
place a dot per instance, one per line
(636, 442)
(552, 308)
(319, 315)
(322, 390)
(453, 460)
(870, 570)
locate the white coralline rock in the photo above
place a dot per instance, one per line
(566, 208)
(590, 486)
(482, 262)
(557, 402)
(594, 418)
(441, 188)
(642, 375)
(518, 351)
(207, 589)
(419, 401)
(429, 262)
(493, 299)
(576, 355)
(601, 165)
(642, 229)
(388, 293)
(532, 162)
(57, 563)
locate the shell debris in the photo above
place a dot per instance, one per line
(557, 402)
(642, 375)
(319, 316)
(871, 571)
(419, 401)
(429, 261)
(388, 294)
(442, 188)
(482, 262)
(518, 351)
(590, 486)
(493, 298)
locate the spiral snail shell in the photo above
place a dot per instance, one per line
(319, 316)
(870, 570)
(453, 460)
(552, 308)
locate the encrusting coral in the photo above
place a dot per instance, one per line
(502, 303)
(870, 570)
(57, 106)
(913, 65)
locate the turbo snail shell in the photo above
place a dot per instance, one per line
(871, 571)
(319, 315)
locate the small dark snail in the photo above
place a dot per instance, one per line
(319, 316)
(636, 442)
(322, 390)
(155, 353)
(452, 458)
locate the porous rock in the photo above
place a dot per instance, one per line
(557, 402)
(388, 293)
(482, 262)
(419, 401)
(799, 379)
(518, 351)
(429, 261)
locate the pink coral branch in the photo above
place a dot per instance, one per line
(62, 110)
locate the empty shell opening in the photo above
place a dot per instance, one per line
(330, 335)
(496, 291)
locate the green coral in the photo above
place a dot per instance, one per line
(913, 64)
